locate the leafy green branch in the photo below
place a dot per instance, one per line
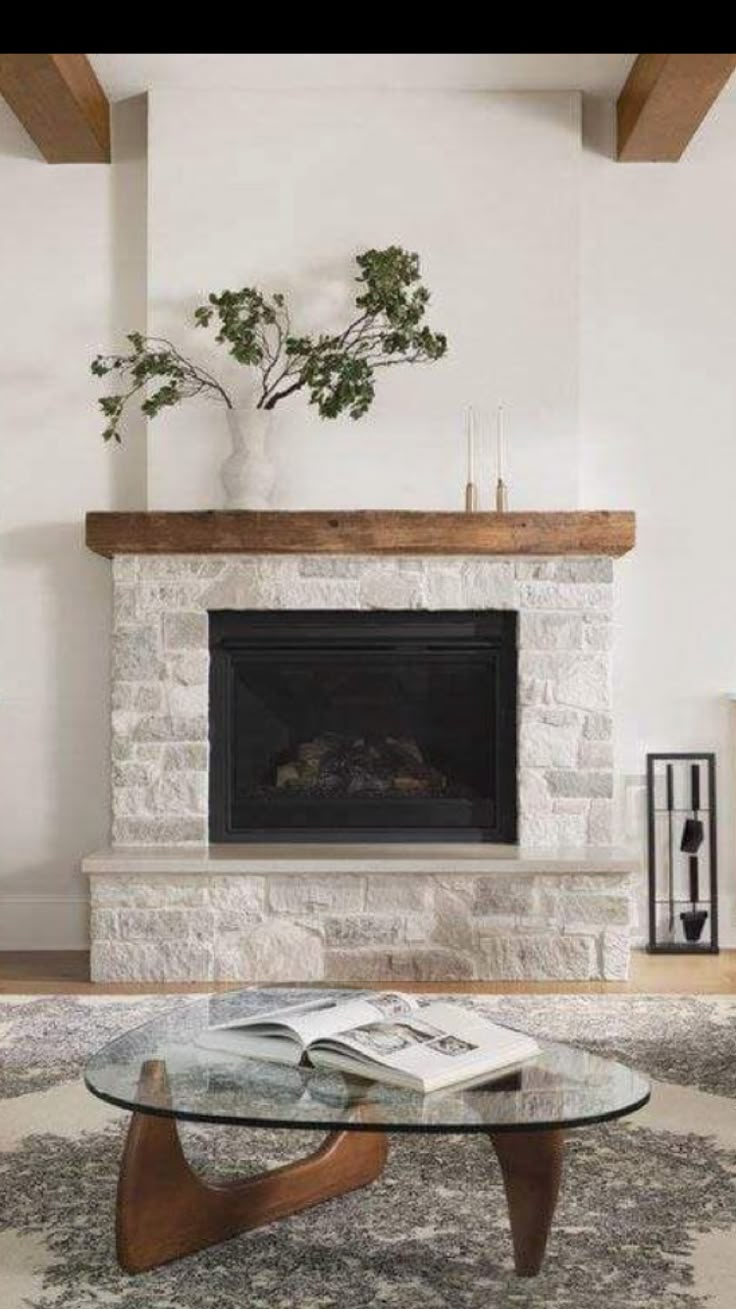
(152, 360)
(337, 370)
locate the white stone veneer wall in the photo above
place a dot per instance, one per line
(359, 927)
(161, 668)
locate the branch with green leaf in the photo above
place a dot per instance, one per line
(337, 371)
(152, 361)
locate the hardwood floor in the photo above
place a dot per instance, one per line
(66, 972)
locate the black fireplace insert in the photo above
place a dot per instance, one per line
(376, 726)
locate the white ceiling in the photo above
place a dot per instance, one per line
(126, 75)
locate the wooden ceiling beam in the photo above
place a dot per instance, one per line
(663, 102)
(61, 104)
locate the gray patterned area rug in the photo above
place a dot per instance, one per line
(646, 1219)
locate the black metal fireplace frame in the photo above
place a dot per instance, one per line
(490, 631)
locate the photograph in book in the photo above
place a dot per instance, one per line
(385, 1038)
(452, 1045)
(391, 1003)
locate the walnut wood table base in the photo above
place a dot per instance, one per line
(531, 1164)
(165, 1211)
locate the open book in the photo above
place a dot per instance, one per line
(386, 1037)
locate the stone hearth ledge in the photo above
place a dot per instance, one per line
(337, 857)
(359, 913)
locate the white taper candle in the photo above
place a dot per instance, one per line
(470, 431)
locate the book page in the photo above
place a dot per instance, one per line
(348, 1014)
(284, 1048)
(278, 1022)
(323, 1016)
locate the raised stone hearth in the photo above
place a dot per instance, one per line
(358, 914)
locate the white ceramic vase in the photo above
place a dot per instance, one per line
(248, 474)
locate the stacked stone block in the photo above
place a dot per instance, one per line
(161, 669)
(359, 927)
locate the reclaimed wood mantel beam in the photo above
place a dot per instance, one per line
(372, 531)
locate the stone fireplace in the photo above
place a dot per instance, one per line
(321, 761)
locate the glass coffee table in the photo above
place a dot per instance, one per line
(165, 1210)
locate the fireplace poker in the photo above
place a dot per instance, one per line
(671, 861)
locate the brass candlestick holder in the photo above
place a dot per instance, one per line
(471, 498)
(502, 496)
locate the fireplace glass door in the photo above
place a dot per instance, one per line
(363, 726)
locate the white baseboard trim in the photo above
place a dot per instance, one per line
(44, 922)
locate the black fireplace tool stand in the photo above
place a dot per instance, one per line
(682, 849)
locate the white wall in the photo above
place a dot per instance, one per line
(64, 238)
(658, 424)
(283, 191)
